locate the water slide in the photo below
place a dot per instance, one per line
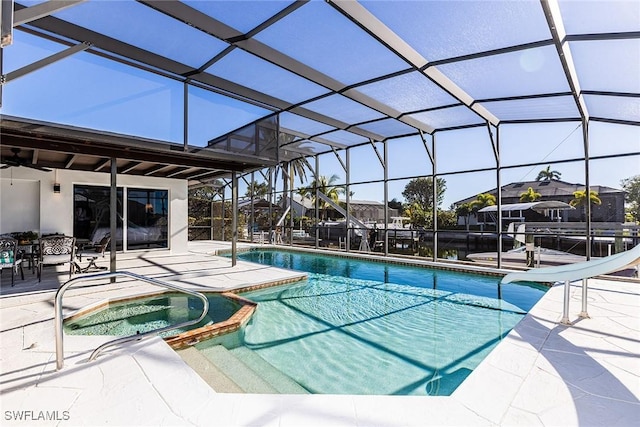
(579, 270)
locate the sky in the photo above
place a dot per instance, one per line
(89, 91)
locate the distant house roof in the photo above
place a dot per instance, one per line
(303, 201)
(257, 203)
(547, 189)
(536, 206)
(362, 202)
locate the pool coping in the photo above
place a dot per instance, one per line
(457, 266)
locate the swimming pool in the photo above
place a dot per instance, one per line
(362, 327)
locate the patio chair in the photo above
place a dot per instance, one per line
(92, 252)
(55, 250)
(10, 257)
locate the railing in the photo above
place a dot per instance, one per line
(118, 341)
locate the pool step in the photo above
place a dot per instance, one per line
(237, 371)
(280, 381)
(209, 372)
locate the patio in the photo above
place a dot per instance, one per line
(542, 373)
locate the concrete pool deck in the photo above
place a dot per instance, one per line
(542, 373)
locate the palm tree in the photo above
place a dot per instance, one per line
(294, 167)
(580, 199)
(419, 217)
(483, 200)
(464, 210)
(548, 175)
(530, 195)
(257, 189)
(327, 187)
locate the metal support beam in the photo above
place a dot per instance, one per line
(385, 176)
(113, 217)
(556, 26)
(584, 313)
(222, 214)
(6, 78)
(435, 198)
(6, 23)
(496, 155)
(253, 211)
(317, 201)
(348, 201)
(234, 221)
(426, 147)
(270, 180)
(28, 14)
(375, 149)
(291, 181)
(344, 167)
(565, 305)
(185, 116)
(587, 185)
(370, 23)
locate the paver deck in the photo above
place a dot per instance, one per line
(542, 373)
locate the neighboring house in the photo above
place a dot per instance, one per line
(611, 209)
(364, 210)
(302, 206)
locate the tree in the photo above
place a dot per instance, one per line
(580, 199)
(420, 190)
(395, 204)
(632, 197)
(530, 195)
(418, 216)
(548, 175)
(328, 187)
(464, 210)
(207, 192)
(483, 200)
(256, 189)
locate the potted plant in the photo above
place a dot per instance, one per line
(26, 237)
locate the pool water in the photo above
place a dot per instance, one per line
(359, 327)
(150, 313)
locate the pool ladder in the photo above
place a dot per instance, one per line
(118, 341)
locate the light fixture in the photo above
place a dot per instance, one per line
(56, 184)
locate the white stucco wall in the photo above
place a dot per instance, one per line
(31, 204)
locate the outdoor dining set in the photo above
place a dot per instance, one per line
(50, 250)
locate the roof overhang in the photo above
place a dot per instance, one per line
(56, 146)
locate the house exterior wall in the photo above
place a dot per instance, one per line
(31, 204)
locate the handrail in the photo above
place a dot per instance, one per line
(117, 341)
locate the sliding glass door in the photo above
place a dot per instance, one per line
(147, 218)
(91, 207)
(147, 214)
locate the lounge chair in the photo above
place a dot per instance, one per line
(92, 252)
